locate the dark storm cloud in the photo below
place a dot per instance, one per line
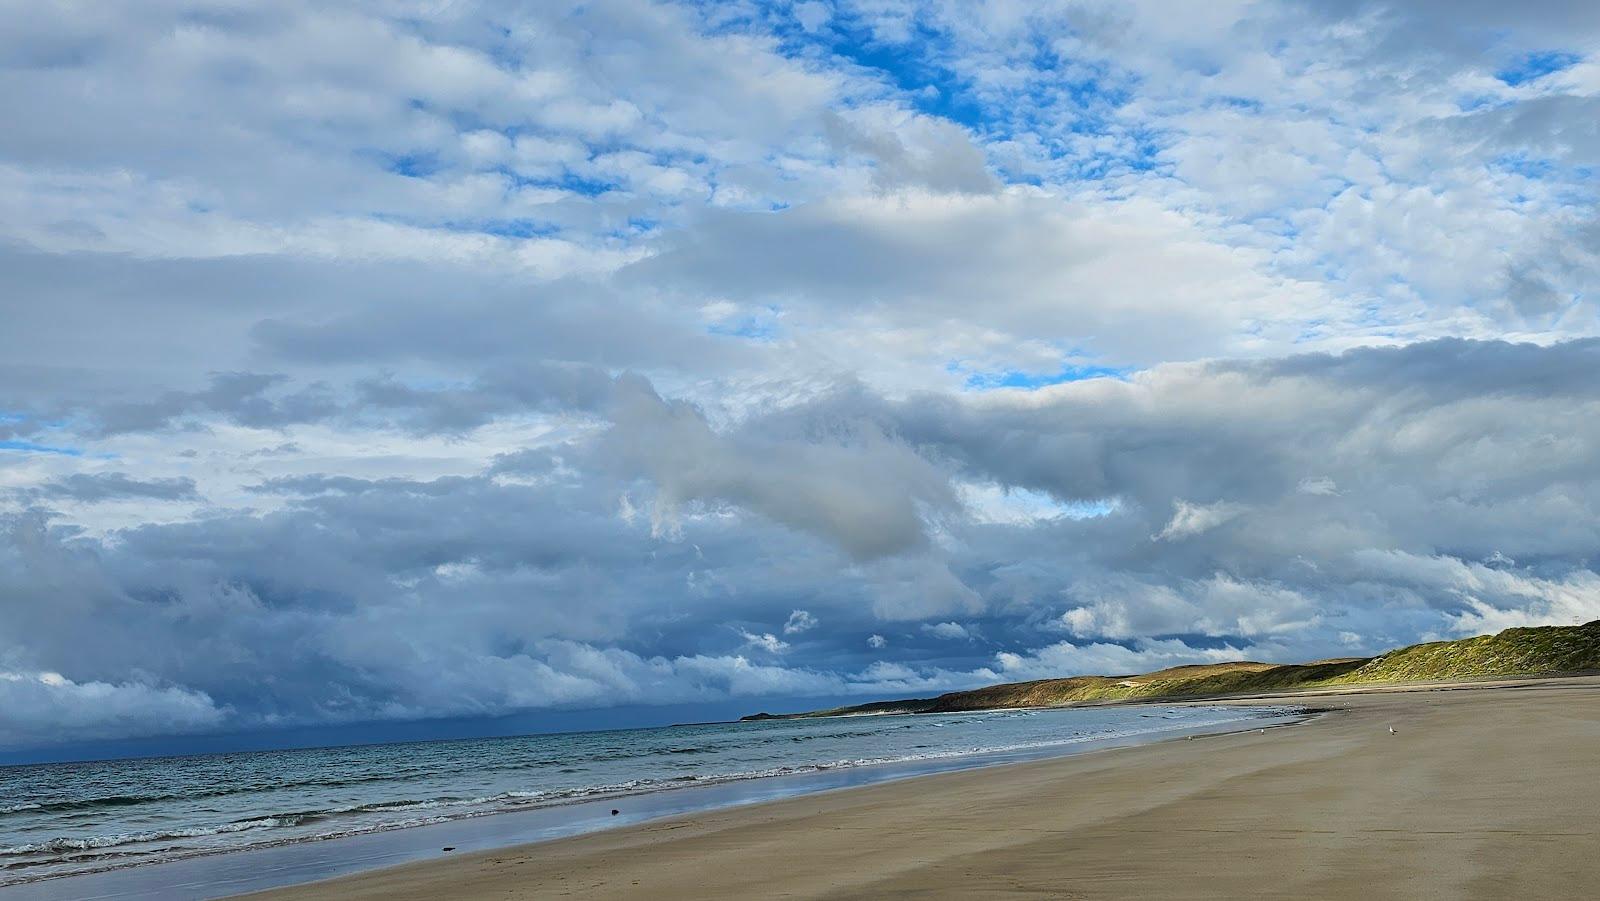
(1453, 369)
(1306, 506)
(503, 390)
(269, 401)
(490, 598)
(87, 488)
(237, 397)
(863, 491)
(1265, 488)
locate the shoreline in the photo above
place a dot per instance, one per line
(1484, 791)
(301, 861)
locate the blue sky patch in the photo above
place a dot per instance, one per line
(931, 87)
(414, 165)
(1016, 378)
(749, 329)
(28, 447)
(508, 228)
(754, 327)
(1524, 165)
(1537, 65)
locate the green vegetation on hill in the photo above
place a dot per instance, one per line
(1514, 652)
(1545, 650)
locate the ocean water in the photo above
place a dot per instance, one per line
(76, 818)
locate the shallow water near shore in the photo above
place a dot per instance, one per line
(202, 827)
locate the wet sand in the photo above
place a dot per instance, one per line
(1483, 792)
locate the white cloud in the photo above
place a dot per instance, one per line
(1319, 485)
(812, 14)
(917, 588)
(45, 708)
(766, 641)
(1123, 608)
(1067, 659)
(1085, 271)
(799, 621)
(865, 492)
(1492, 598)
(947, 631)
(1192, 519)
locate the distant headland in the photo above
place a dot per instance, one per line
(1534, 651)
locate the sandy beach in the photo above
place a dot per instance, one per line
(1482, 792)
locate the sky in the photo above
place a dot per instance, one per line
(414, 367)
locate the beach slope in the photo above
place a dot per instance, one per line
(1481, 792)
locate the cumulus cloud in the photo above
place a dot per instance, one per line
(765, 641)
(947, 631)
(482, 566)
(865, 492)
(799, 621)
(1106, 659)
(1030, 263)
(1492, 595)
(1192, 519)
(812, 14)
(1319, 485)
(919, 587)
(1121, 607)
(44, 707)
(96, 487)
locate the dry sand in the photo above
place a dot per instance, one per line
(1483, 793)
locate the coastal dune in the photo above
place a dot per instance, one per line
(1479, 792)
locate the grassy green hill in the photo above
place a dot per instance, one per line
(1514, 652)
(1545, 650)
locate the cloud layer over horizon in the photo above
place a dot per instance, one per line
(393, 361)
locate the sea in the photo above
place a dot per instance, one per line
(59, 821)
